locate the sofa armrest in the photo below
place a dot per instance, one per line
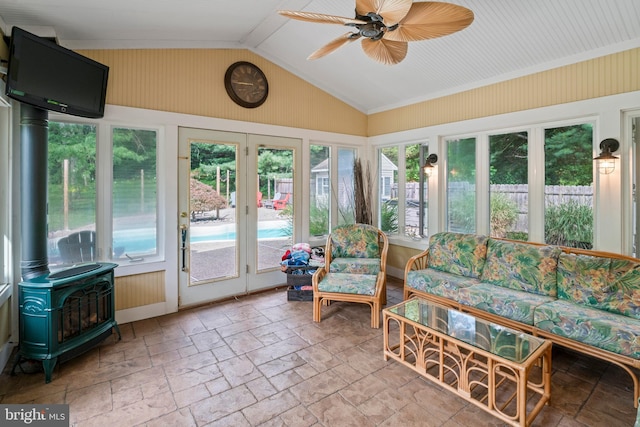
(417, 262)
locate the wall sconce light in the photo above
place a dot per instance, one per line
(606, 161)
(429, 165)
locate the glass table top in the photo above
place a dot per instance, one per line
(499, 340)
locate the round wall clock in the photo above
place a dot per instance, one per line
(246, 84)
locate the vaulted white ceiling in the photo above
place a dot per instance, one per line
(508, 38)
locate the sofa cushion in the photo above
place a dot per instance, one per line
(343, 283)
(522, 267)
(355, 265)
(461, 254)
(438, 282)
(355, 241)
(510, 303)
(625, 293)
(585, 279)
(608, 331)
(605, 283)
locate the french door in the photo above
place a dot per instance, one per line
(237, 206)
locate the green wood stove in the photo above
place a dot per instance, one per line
(66, 313)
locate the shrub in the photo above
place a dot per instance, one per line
(462, 214)
(518, 235)
(504, 213)
(389, 217)
(318, 219)
(569, 224)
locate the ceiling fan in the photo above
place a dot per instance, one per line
(386, 26)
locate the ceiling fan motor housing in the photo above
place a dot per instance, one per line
(374, 27)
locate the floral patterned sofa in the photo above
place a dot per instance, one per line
(585, 300)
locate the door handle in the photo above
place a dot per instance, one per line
(183, 247)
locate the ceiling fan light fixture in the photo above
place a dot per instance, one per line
(391, 26)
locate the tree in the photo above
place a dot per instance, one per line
(204, 198)
(508, 163)
(74, 142)
(461, 155)
(568, 153)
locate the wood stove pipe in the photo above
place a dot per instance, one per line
(34, 132)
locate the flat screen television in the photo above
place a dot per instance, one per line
(45, 75)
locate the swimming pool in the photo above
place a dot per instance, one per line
(143, 240)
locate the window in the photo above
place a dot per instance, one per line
(415, 186)
(344, 195)
(129, 205)
(461, 188)
(388, 200)
(635, 138)
(71, 188)
(508, 189)
(568, 192)
(403, 190)
(320, 195)
(134, 204)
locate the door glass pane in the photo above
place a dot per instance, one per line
(135, 218)
(276, 215)
(320, 191)
(71, 193)
(508, 190)
(388, 184)
(569, 186)
(345, 193)
(212, 236)
(461, 185)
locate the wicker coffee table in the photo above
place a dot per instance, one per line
(503, 371)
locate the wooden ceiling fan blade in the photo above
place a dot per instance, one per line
(392, 11)
(388, 52)
(319, 17)
(365, 6)
(428, 20)
(334, 45)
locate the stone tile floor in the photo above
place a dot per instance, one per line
(261, 361)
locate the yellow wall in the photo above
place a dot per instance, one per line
(398, 256)
(5, 322)
(4, 49)
(139, 290)
(607, 75)
(191, 81)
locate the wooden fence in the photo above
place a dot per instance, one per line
(554, 195)
(518, 193)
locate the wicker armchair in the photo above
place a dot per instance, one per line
(354, 271)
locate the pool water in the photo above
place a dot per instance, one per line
(144, 240)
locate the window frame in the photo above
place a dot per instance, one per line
(104, 192)
(401, 237)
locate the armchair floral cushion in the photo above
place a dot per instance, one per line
(344, 283)
(462, 254)
(355, 241)
(355, 265)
